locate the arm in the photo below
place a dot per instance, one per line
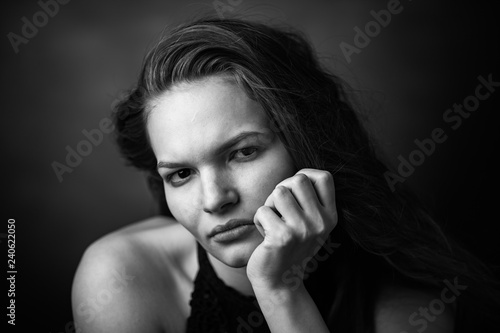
(106, 294)
(295, 221)
(298, 215)
(290, 311)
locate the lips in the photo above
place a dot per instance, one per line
(231, 230)
(231, 224)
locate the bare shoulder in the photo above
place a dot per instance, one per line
(407, 310)
(125, 277)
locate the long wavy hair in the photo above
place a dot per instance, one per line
(385, 234)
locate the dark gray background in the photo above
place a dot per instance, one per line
(65, 79)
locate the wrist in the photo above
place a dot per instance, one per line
(286, 281)
(279, 293)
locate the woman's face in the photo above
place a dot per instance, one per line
(219, 162)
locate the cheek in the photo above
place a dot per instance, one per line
(182, 208)
(283, 166)
(277, 167)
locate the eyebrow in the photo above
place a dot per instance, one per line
(222, 148)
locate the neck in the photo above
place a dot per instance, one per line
(235, 278)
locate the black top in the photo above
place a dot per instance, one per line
(342, 281)
(216, 307)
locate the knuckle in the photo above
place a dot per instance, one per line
(320, 227)
(280, 191)
(300, 178)
(285, 238)
(306, 235)
(325, 176)
(302, 232)
(261, 210)
(321, 230)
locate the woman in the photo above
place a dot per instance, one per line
(275, 213)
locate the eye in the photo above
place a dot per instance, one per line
(179, 177)
(245, 153)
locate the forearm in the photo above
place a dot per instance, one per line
(290, 311)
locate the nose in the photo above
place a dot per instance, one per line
(219, 193)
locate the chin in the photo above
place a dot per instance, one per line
(237, 254)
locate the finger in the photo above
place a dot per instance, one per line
(323, 184)
(286, 204)
(303, 190)
(270, 225)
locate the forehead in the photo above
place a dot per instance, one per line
(194, 117)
